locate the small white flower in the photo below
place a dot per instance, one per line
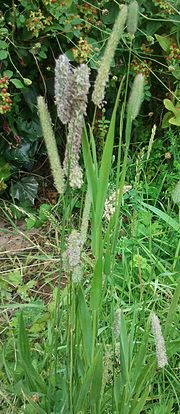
(110, 203)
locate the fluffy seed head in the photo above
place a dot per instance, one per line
(77, 274)
(51, 145)
(76, 177)
(136, 96)
(103, 72)
(132, 19)
(73, 249)
(64, 89)
(117, 323)
(176, 194)
(81, 87)
(73, 146)
(159, 341)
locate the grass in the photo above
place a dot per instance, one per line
(77, 338)
(87, 347)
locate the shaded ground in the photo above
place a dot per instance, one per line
(14, 241)
(29, 263)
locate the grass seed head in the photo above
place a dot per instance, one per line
(104, 69)
(74, 249)
(176, 194)
(136, 96)
(132, 19)
(51, 145)
(159, 341)
(64, 89)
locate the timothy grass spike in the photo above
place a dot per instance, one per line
(132, 19)
(103, 72)
(51, 145)
(159, 341)
(176, 194)
(136, 96)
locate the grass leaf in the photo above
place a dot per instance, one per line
(164, 216)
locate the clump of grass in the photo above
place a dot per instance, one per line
(89, 348)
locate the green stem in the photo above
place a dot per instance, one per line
(71, 329)
(94, 330)
(176, 258)
(121, 183)
(94, 118)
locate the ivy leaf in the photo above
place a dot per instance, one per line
(5, 170)
(24, 189)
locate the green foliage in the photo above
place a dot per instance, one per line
(173, 110)
(31, 33)
(41, 217)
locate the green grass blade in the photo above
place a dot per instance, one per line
(84, 390)
(139, 404)
(89, 166)
(164, 216)
(106, 164)
(93, 147)
(97, 379)
(36, 408)
(86, 325)
(172, 310)
(96, 289)
(144, 376)
(124, 350)
(34, 379)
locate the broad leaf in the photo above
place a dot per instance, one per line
(164, 42)
(3, 54)
(25, 189)
(17, 83)
(5, 170)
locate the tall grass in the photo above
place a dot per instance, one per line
(92, 367)
(97, 354)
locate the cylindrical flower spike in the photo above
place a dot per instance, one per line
(117, 323)
(132, 19)
(51, 145)
(74, 249)
(136, 96)
(176, 194)
(159, 341)
(71, 90)
(103, 72)
(64, 89)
